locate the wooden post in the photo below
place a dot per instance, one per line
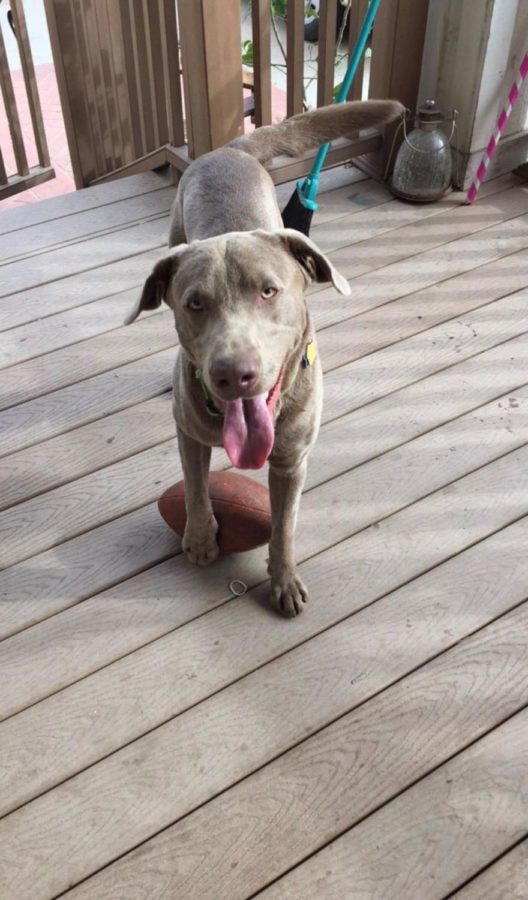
(356, 15)
(261, 17)
(212, 72)
(327, 47)
(30, 80)
(397, 50)
(13, 119)
(295, 57)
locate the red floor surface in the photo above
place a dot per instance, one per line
(55, 133)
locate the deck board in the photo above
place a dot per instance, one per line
(470, 808)
(508, 877)
(96, 559)
(80, 201)
(177, 659)
(75, 290)
(142, 707)
(34, 239)
(313, 793)
(347, 503)
(33, 526)
(141, 783)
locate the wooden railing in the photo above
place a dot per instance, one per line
(25, 175)
(117, 70)
(146, 82)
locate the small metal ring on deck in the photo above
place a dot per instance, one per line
(237, 587)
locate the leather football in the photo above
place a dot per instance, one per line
(241, 507)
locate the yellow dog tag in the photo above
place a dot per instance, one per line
(309, 355)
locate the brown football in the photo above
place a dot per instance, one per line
(241, 506)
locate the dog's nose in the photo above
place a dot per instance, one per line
(234, 378)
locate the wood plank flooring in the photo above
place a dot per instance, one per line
(160, 738)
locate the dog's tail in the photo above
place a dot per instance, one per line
(306, 131)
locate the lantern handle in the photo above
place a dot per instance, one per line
(419, 149)
(391, 152)
(406, 113)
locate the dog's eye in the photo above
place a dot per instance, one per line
(195, 304)
(268, 292)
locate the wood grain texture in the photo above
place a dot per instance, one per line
(405, 271)
(471, 809)
(36, 339)
(332, 780)
(77, 453)
(86, 401)
(85, 359)
(146, 708)
(356, 16)
(28, 241)
(413, 313)
(373, 430)
(212, 73)
(76, 290)
(295, 57)
(11, 111)
(383, 423)
(326, 51)
(507, 878)
(261, 33)
(414, 358)
(141, 784)
(26, 216)
(43, 588)
(349, 504)
(53, 265)
(52, 518)
(16, 347)
(469, 599)
(343, 231)
(18, 422)
(37, 419)
(30, 81)
(365, 433)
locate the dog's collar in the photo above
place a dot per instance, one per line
(210, 405)
(307, 359)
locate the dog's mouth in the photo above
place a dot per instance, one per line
(249, 432)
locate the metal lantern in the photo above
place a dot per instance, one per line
(422, 171)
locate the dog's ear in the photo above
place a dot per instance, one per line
(315, 264)
(156, 285)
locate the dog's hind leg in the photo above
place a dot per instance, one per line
(288, 593)
(199, 540)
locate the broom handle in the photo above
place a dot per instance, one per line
(353, 64)
(499, 128)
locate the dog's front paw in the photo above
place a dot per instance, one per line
(199, 544)
(288, 594)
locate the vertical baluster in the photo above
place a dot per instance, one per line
(30, 81)
(356, 16)
(261, 16)
(295, 57)
(13, 119)
(327, 46)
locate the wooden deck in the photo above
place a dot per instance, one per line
(161, 739)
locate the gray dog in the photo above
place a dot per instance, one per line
(248, 376)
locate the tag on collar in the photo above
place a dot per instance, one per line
(310, 355)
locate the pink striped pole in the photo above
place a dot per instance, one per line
(499, 128)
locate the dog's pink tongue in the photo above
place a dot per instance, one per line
(248, 432)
